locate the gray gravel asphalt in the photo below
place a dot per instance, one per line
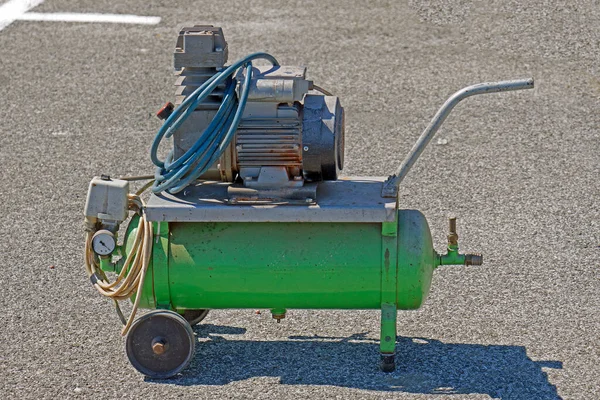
(520, 170)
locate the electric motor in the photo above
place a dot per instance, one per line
(288, 133)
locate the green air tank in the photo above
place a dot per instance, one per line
(280, 265)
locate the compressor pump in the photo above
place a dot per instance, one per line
(248, 210)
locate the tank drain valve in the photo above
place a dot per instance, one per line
(278, 314)
(453, 257)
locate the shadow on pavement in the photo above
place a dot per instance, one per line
(423, 365)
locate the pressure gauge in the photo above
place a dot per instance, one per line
(103, 242)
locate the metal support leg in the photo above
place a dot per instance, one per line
(389, 289)
(387, 344)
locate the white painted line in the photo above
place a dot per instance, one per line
(14, 9)
(89, 17)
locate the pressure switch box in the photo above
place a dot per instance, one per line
(107, 200)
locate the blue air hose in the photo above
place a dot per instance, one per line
(174, 175)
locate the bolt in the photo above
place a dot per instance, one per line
(309, 200)
(158, 346)
(305, 148)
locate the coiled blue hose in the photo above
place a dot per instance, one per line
(174, 175)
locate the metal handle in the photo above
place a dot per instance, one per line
(390, 187)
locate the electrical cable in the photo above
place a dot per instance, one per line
(144, 188)
(133, 273)
(174, 175)
(136, 178)
(320, 89)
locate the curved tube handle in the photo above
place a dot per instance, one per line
(392, 184)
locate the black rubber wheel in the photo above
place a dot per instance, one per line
(160, 344)
(194, 317)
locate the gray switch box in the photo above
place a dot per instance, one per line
(107, 200)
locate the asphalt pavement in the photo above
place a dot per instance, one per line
(521, 171)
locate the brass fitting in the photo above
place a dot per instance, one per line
(278, 314)
(473, 259)
(453, 257)
(452, 235)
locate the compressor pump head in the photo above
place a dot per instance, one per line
(289, 132)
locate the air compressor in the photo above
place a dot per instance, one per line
(248, 210)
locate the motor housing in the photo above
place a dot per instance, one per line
(289, 134)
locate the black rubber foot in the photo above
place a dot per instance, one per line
(388, 362)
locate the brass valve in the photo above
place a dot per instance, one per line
(452, 235)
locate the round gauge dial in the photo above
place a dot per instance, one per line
(103, 242)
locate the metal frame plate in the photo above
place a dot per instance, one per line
(353, 199)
